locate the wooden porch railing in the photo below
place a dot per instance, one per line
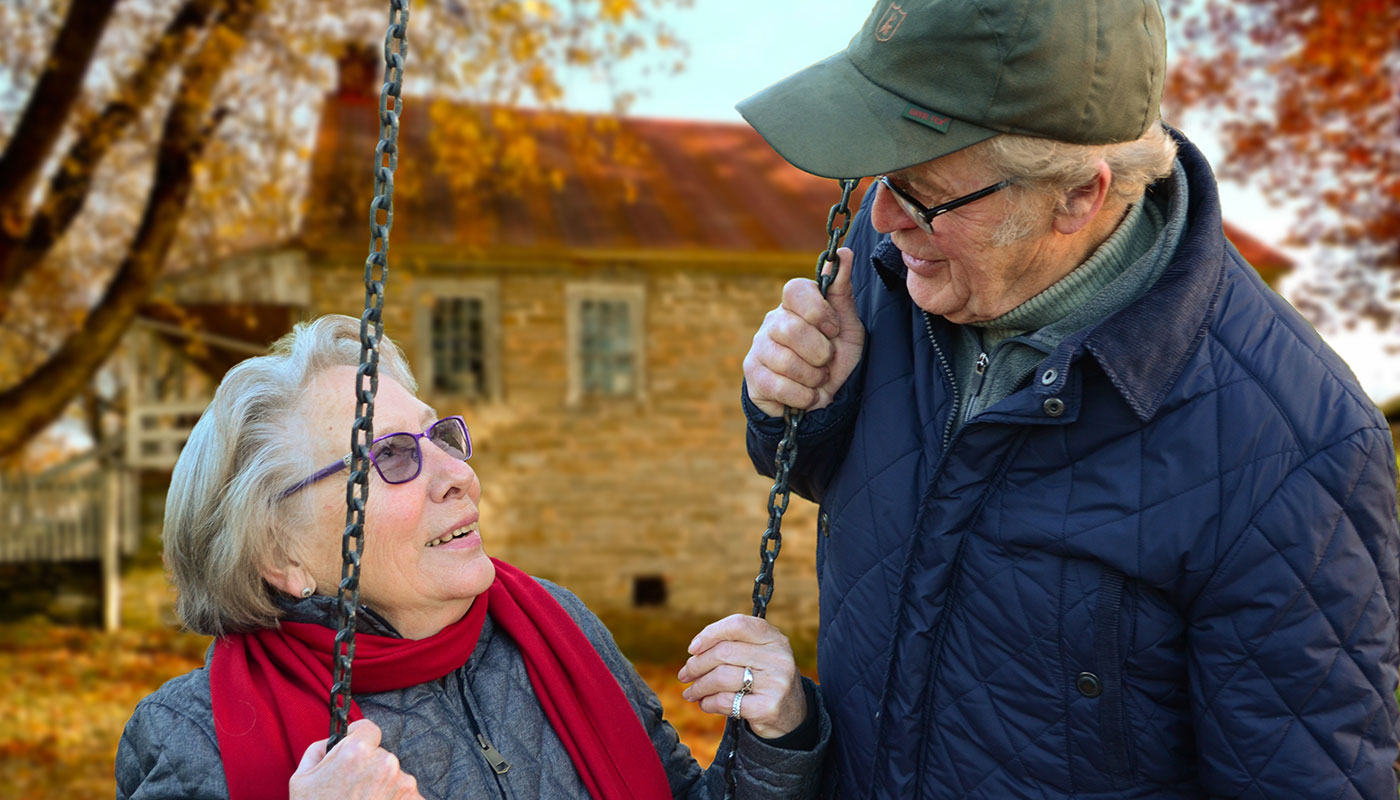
(79, 511)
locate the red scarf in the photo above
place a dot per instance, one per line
(271, 689)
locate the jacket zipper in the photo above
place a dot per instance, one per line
(498, 762)
(947, 373)
(979, 372)
(957, 558)
(955, 567)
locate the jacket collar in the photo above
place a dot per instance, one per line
(1144, 347)
(324, 610)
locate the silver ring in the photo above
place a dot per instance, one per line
(739, 695)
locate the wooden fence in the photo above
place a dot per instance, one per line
(79, 511)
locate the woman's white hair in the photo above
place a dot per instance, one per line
(1042, 168)
(225, 520)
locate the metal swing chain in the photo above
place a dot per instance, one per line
(772, 540)
(367, 377)
(785, 457)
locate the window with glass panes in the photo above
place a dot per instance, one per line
(607, 351)
(604, 323)
(459, 346)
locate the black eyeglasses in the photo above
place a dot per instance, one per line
(923, 215)
(399, 456)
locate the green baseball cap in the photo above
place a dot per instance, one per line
(924, 78)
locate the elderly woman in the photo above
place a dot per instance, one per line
(472, 679)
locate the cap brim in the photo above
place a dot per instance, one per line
(830, 120)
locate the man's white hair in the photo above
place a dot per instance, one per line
(1045, 168)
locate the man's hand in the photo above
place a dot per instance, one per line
(807, 347)
(356, 769)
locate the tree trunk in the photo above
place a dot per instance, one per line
(49, 105)
(43, 395)
(25, 243)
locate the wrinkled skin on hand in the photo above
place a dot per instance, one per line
(356, 769)
(776, 704)
(807, 347)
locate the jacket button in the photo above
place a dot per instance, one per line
(1054, 406)
(1088, 684)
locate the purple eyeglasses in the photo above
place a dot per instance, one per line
(399, 456)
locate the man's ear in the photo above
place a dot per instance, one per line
(1082, 203)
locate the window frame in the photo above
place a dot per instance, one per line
(428, 292)
(631, 294)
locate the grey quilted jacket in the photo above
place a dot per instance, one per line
(169, 748)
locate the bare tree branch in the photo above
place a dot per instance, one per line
(23, 249)
(48, 107)
(29, 406)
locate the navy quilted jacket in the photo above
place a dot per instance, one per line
(1167, 568)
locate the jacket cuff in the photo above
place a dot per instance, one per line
(790, 772)
(806, 735)
(817, 426)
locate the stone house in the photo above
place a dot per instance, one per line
(591, 332)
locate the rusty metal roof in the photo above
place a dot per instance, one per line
(694, 186)
(1268, 262)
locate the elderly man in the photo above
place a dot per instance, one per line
(1101, 515)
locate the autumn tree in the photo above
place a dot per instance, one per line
(1309, 94)
(141, 134)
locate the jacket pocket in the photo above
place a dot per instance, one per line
(1108, 657)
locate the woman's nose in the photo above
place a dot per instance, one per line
(449, 476)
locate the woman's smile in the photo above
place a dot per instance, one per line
(460, 538)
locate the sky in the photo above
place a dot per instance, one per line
(738, 47)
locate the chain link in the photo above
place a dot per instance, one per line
(386, 160)
(786, 456)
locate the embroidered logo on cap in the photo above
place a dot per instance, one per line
(894, 17)
(933, 119)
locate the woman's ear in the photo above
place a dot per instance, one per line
(1082, 203)
(289, 576)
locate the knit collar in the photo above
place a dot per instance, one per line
(1121, 252)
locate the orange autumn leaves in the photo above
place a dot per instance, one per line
(193, 132)
(1309, 95)
(66, 693)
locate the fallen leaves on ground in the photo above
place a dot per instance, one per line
(66, 693)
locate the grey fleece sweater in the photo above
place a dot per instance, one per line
(169, 748)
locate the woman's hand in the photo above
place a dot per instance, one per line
(356, 769)
(776, 703)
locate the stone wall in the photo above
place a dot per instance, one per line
(602, 492)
